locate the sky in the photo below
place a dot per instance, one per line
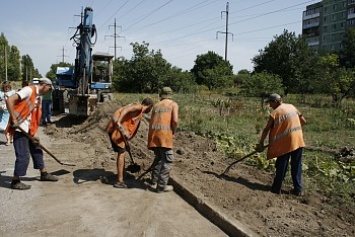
(181, 29)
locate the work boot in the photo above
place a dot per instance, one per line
(296, 193)
(19, 186)
(45, 176)
(167, 188)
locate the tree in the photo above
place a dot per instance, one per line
(13, 70)
(287, 56)
(262, 85)
(212, 71)
(347, 54)
(28, 70)
(334, 80)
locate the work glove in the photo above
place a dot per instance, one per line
(259, 147)
(35, 141)
(15, 124)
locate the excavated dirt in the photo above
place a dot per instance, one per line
(241, 194)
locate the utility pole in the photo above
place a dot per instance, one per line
(5, 62)
(115, 36)
(63, 55)
(226, 32)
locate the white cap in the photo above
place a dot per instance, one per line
(45, 81)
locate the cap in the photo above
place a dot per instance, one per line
(273, 97)
(166, 93)
(45, 81)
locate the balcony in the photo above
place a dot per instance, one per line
(310, 25)
(306, 17)
(352, 15)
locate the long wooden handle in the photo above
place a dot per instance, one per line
(45, 149)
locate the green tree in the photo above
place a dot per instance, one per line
(334, 80)
(212, 70)
(347, 54)
(262, 84)
(28, 70)
(288, 56)
(13, 70)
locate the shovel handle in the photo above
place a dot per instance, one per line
(237, 161)
(45, 149)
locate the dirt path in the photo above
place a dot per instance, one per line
(81, 205)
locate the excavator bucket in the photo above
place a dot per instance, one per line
(82, 105)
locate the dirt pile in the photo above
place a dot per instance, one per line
(242, 193)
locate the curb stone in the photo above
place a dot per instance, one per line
(228, 225)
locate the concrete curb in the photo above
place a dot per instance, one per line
(228, 225)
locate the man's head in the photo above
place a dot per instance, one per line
(274, 100)
(148, 102)
(45, 85)
(166, 93)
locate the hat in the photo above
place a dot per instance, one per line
(45, 81)
(166, 93)
(273, 97)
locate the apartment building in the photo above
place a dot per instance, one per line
(324, 23)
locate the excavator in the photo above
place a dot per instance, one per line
(89, 82)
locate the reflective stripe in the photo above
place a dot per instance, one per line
(163, 110)
(285, 116)
(160, 127)
(285, 133)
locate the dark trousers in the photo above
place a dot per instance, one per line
(46, 111)
(163, 159)
(296, 170)
(24, 148)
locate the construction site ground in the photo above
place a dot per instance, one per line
(84, 203)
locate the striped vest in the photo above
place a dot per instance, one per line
(160, 133)
(286, 134)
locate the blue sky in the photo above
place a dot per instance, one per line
(181, 29)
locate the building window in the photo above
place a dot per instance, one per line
(325, 28)
(334, 26)
(325, 19)
(332, 47)
(325, 9)
(351, 10)
(342, 25)
(334, 16)
(343, 15)
(340, 46)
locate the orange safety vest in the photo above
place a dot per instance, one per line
(160, 133)
(286, 134)
(130, 127)
(25, 108)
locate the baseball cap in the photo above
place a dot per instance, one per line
(273, 97)
(166, 93)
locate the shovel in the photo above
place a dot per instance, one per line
(133, 167)
(237, 161)
(45, 149)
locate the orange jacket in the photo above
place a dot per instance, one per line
(160, 133)
(286, 134)
(25, 108)
(130, 127)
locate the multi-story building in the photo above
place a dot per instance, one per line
(325, 23)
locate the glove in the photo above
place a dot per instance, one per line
(35, 141)
(15, 124)
(259, 147)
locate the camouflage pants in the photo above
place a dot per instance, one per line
(161, 170)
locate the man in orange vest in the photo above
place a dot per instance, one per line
(25, 114)
(285, 140)
(162, 128)
(125, 122)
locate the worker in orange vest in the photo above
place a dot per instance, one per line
(285, 141)
(125, 122)
(162, 128)
(25, 113)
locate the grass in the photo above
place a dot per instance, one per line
(236, 124)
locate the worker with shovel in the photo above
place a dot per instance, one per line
(123, 126)
(25, 113)
(162, 128)
(285, 140)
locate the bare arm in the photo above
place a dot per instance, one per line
(133, 109)
(10, 103)
(174, 117)
(266, 130)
